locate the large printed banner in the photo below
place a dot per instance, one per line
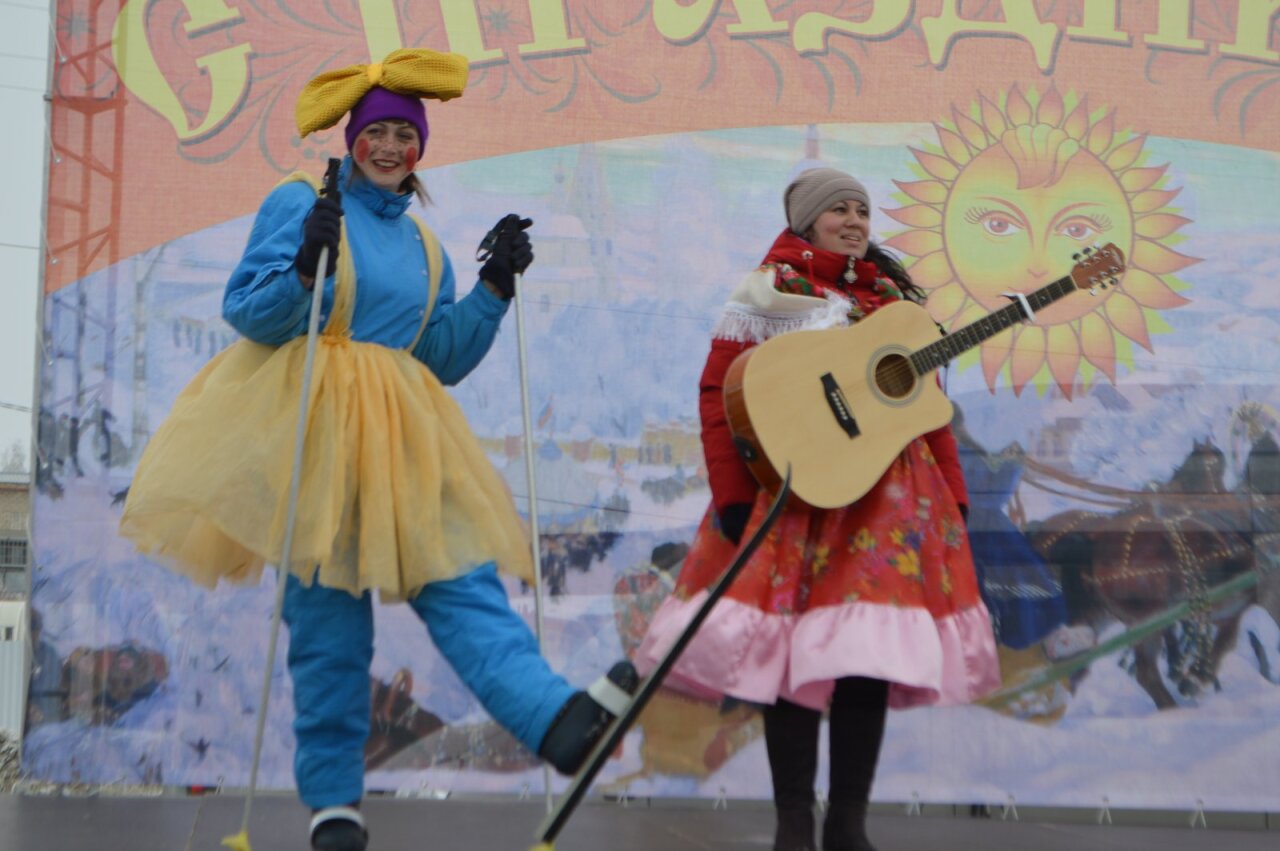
(1120, 450)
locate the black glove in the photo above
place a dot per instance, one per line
(733, 520)
(322, 227)
(512, 254)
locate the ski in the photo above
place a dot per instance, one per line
(564, 809)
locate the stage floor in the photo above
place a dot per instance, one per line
(279, 824)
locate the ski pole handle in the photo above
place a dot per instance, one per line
(490, 241)
(330, 185)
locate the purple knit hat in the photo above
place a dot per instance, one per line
(379, 104)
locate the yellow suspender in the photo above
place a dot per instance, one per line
(344, 285)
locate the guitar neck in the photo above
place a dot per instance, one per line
(957, 342)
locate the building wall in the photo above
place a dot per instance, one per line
(15, 507)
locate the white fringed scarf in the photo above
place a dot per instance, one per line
(757, 311)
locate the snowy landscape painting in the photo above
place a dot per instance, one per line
(1143, 693)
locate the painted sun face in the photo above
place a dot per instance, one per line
(1003, 238)
(1009, 195)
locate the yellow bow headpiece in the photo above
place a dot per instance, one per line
(415, 72)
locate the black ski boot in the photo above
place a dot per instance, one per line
(584, 718)
(338, 829)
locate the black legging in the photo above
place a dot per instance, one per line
(857, 715)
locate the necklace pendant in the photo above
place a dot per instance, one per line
(849, 275)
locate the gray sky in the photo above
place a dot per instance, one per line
(24, 48)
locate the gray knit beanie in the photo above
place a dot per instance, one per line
(814, 191)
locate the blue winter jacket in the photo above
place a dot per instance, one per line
(266, 302)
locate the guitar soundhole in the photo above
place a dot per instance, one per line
(894, 376)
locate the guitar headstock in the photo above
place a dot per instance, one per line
(1098, 268)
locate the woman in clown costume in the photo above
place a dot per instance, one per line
(396, 494)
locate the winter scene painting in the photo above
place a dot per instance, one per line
(1121, 455)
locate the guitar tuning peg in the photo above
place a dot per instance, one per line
(1088, 250)
(1093, 290)
(1076, 256)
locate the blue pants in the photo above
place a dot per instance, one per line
(331, 647)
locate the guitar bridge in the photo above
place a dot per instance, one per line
(839, 405)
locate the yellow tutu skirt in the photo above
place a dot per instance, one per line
(395, 492)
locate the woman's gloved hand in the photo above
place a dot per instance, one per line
(733, 520)
(511, 255)
(322, 228)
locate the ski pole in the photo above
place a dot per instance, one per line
(240, 841)
(482, 253)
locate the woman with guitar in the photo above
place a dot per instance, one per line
(848, 609)
(397, 495)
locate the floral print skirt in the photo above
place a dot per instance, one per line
(883, 588)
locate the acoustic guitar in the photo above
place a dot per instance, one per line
(839, 405)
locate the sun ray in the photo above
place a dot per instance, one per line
(924, 191)
(1063, 355)
(1050, 109)
(970, 129)
(1077, 122)
(1028, 355)
(1158, 259)
(938, 166)
(1098, 344)
(1149, 291)
(1017, 108)
(917, 243)
(1138, 179)
(917, 216)
(1159, 225)
(1126, 315)
(1127, 154)
(1154, 199)
(1101, 133)
(994, 357)
(954, 145)
(944, 302)
(932, 271)
(992, 118)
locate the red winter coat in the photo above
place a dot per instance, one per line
(813, 272)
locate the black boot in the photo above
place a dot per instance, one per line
(858, 710)
(845, 828)
(585, 717)
(791, 739)
(338, 829)
(794, 831)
